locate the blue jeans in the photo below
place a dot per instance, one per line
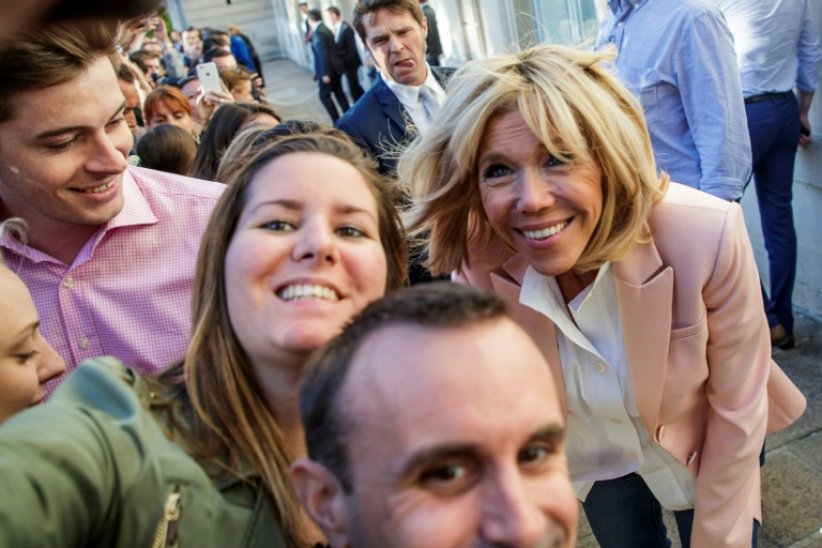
(623, 513)
(773, 125)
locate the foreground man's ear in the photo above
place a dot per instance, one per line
(322, 497)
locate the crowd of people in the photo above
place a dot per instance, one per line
(207, 334)
(170, 110)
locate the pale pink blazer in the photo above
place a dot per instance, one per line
(698, 347)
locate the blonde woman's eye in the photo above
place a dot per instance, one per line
(495, 171)
(553, 162)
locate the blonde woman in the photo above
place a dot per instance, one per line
(539, 183)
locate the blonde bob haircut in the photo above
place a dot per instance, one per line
(579, 111)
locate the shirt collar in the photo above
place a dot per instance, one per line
(136, 209)
(542, 292)
(621, 6)
(409, 95)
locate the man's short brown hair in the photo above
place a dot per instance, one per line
(440, 305)
(50, 55)
(366, 7)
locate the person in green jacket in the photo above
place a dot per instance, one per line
(304, 237)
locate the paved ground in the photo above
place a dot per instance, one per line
(292, 92)
(792, 476)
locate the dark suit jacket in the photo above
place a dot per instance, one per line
(377, 121)
(433, 38)
(347, 47)
(326, 60)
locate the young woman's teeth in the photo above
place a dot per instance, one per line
(293, 292)
(545, 232)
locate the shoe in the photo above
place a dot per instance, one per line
(780, 339)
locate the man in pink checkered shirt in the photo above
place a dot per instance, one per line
(112, 249)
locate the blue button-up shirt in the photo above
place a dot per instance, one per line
(678, 57)
(777, 44)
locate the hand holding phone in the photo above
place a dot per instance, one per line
(209, 77)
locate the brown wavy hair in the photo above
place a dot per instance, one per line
(230, 421)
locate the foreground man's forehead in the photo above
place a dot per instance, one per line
(397, 364)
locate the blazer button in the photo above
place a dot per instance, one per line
(660, 431)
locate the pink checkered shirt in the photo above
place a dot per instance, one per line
(128, 292)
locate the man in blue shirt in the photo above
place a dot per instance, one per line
(678, 58)
(778, 49)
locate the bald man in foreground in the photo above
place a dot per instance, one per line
(433, 420)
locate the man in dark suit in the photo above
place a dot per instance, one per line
(432, 41)
(306, 27)
(347, 50)
(404, 99)
(407, 89)
(327, 65)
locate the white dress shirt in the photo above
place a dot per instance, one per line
(605, 437)
(409, 97)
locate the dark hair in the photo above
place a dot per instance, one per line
(167, 148)
(334, 9)
(183, 81)
(233, 159)
(48, 55)
(213, 52)
(192, 28)
(139, 58)
(221, 129)
(294, 127)
(216, 33)
(365, 7)
(434, 305)
(315, 15)
(124, 73)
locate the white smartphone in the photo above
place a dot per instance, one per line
(209, 77)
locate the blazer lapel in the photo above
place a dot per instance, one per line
(392, 108)
(645, 296)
